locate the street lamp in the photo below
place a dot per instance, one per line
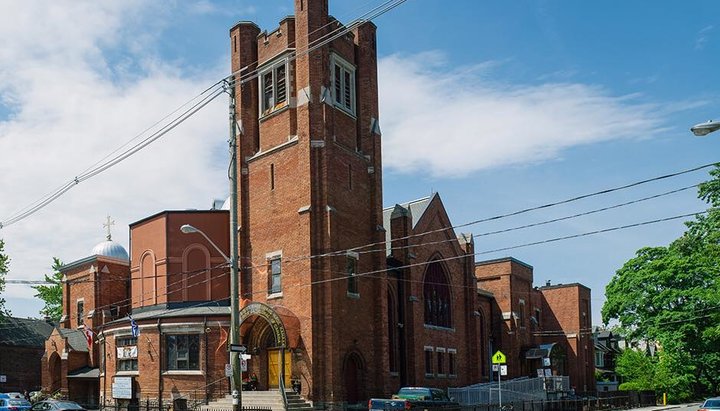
(187, 229)
(235, 383)
(706, 128)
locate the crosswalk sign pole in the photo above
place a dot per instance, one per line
(499, 389)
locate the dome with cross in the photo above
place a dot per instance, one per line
(109, 248)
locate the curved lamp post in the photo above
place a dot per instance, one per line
(706, 128)
(188, 229)
(236, 383)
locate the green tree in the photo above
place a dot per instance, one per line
(637, 370)
(672, 295)
(52, 294)
(4, 267)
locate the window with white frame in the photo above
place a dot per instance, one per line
(452, 367)
(127, 353)
(343, 84)
(273, 87)
(183, 351)
(351, 270)
(274, 274)
(440, 353)
(521, 313)
(428, 361)
(599, 359)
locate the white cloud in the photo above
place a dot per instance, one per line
(454, 121)
(78, 85)
(703, 37)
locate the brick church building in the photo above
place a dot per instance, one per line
(346, 298)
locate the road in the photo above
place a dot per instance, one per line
(681, 407)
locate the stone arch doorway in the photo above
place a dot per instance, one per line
(265, 337)
(354, 378)
(55, 370)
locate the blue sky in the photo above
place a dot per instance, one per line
(496, 105)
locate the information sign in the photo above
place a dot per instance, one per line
(122, 388)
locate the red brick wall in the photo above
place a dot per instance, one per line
(20, 365)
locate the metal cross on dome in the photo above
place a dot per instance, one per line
(107, 225)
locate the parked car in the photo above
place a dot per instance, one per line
(16, 404)
(710, 404)
(56, 405)
(409, 398)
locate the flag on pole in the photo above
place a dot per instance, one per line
(89, 334)
(134, 327)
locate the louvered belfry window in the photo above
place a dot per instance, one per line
(343, 87)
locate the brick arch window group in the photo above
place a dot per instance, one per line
(436, 294)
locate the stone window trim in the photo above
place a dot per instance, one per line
(342, 89)
(452, 366)
(183, 372)
(440, 361)
(274, 273)
(80, 314)
(273, 86)
(185, 357)
(428, 354)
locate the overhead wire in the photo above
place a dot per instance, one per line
(228, 81)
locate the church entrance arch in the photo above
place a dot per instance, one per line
(267, 342)
(55, 369)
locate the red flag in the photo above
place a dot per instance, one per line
(89, 334)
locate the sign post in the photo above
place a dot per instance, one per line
(499, 358)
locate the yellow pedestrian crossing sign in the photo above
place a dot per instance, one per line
(498, 358)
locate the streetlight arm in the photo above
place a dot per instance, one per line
(187, 228)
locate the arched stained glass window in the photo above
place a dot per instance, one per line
(436, 294)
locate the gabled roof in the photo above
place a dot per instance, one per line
(415, 209)
(24, 332)
(75, 338)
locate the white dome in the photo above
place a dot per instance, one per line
(112, 249)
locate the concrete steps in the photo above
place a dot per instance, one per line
(261, 399)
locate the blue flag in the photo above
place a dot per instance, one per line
(134, 327)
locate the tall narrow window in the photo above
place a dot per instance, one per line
(351, 270)
(436, 294)
(350, 177)
(343, 84)
(452, 370)
(275, 270)
(440, 361)
(272, 176)
(273, 84)
(428, 361)
(183, 352)
(521, 314)
(80, 312)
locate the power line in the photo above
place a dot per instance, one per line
(98, 168)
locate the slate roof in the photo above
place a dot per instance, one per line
(75, 338)
(24, 332)
(416, 208)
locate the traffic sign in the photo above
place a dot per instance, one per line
(503, 370)
(498, 358)
(238, 348)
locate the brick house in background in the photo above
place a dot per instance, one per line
(95, 291)
(22, 344)
(543, 328)
(349, 299)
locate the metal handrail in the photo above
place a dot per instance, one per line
(281, 387)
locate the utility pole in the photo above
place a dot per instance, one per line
(235, 381)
